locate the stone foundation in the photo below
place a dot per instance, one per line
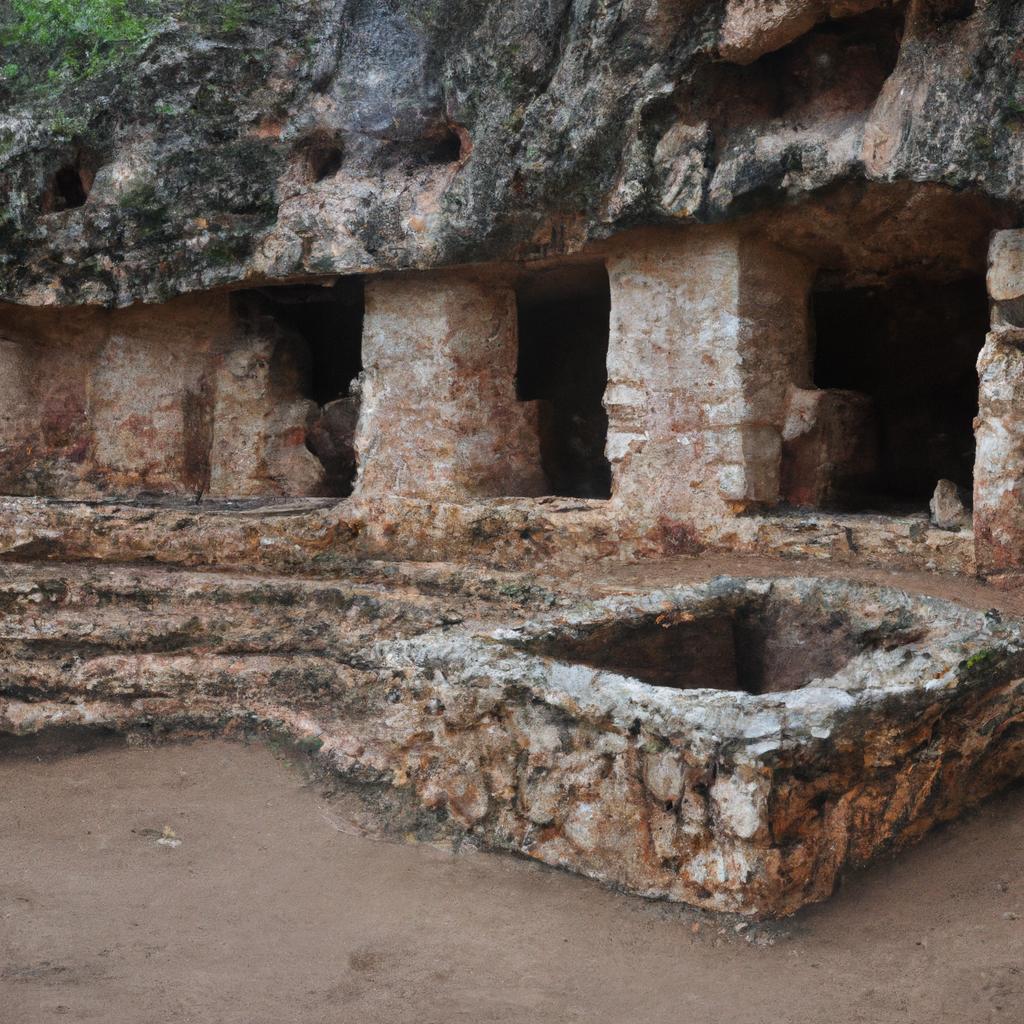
(733, 744)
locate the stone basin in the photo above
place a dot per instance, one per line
(733, 745)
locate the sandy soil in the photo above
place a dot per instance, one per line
(612, 578)
(265, 912)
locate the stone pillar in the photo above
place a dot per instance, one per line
(999, 428)
(18, 402)
(709, 331)
(439, 417)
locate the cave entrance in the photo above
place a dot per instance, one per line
(328, 323)
(69, 186)
(899, 362)
(563, 317)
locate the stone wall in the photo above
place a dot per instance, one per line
(170, 399)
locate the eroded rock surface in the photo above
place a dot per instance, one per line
(336, 137)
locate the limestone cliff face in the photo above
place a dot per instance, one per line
(222, 142)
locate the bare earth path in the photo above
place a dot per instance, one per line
(265, 912)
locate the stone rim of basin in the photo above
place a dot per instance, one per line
(964, 648)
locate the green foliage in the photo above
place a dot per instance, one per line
(234, 14)
(71, 39)
(981, 658)
(67, 126)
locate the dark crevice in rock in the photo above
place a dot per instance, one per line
(69, 187)
(322, 157)
(444, 148)
(937, 12)
(441, 145)
(563, 347)
(328, 322)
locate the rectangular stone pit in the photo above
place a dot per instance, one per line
(733, 745)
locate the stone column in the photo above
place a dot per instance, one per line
(999, 428)
(19, 411)
(439, 417)
(709, 332)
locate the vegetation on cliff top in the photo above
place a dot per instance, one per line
(69, 39)
(48, 44)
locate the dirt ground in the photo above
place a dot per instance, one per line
(265, 912)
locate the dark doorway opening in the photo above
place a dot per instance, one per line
(324, 157)
(911, 348)
(563, 316)
(328, 324)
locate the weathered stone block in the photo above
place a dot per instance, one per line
(1005, 278)
(708, 332)
(439, 416)
(947, 508)
(829, 447)
(149, 401)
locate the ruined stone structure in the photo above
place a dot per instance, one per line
(350, 352)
